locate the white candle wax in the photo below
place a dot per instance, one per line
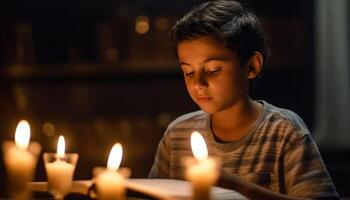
(201, 171)
(20, 165)
(20, 160)
(202, 174)
(60, 176)
(110, 185)
(60, 171)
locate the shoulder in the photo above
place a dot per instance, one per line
(283, 126)
(285, 119)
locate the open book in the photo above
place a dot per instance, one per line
(150, 189)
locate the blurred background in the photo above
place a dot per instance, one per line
(101, 72)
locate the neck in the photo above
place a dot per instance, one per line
(234, 122)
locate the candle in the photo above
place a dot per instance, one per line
(202, 171)
(110, 183)
(60, 170)
(20, 160)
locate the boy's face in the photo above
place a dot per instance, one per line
(213, 75)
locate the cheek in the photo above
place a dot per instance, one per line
(223, 84)
(224, 89)
(191, 90)
(227, 87)
(188, 87)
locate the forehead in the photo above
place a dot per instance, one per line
(203, 48)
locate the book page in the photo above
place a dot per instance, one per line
(157, 188)
(177, 189)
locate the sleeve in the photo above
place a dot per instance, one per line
(305, 173)
(161, 165)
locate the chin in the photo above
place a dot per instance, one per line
(212, 109)
(209, 109)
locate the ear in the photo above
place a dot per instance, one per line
(254, 65)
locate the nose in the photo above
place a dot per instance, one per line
(200, 81)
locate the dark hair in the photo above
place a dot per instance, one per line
(227, 21)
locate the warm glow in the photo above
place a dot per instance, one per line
(60, 147)
(48, 129)
(142, 24)
(22, 134)
(115, 157)
(199, 148)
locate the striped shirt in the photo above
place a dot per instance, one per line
(277, 153)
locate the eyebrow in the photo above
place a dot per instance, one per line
(215, 58)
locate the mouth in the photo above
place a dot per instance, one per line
(203, 99)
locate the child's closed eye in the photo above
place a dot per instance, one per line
(214, 71)
(187, 74)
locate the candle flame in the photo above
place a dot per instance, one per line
(115, 157)
(60, 147)
(22, 134)
(199, 148)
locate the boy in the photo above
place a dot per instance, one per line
(266, 152)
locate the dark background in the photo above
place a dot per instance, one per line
(79, 68)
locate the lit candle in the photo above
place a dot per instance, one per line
(202, 171)
(110, 183)
(20, 160)
(60, 170)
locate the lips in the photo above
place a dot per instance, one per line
(203, 99)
